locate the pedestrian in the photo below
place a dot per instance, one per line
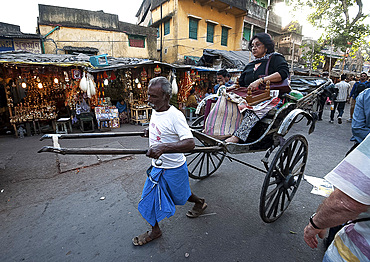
(222, 75)
(350, 200)
(228, 80)
(340, 100)
(209, 92)
(167, 184)
(327, 92)
(361, 118)
(358, 87)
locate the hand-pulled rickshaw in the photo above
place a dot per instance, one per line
(283, 173)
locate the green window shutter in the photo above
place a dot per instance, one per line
(167, 27)
(247, 33)
(224, 35)
(193, 28)
(210, 32)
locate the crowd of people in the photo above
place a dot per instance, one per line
(347, 208)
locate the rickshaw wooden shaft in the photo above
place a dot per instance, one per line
(116, 151)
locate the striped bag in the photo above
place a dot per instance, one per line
(223, 119)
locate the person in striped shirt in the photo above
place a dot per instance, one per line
(350, 200)
(340, 100)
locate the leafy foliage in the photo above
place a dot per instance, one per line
(345, 30)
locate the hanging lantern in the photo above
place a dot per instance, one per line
(106, 82)
(192, 73)
(157, 70)
(24, 85)
(39, 85)
(144, 79)
(143, 73)
(56, 81)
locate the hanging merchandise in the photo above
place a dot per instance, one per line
(175, 88)
(83, 82)
(76, 74)
(66, 77)
(192, 73)
(144, 75)
(113, 76)
(157, 70)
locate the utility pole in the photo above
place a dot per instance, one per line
(331, 52)
(292, 69)
(312, 54)
(267, 15)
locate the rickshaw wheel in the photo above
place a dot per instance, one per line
(203, 164)
(198, 124)
(283, 178)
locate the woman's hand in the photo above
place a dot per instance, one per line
(254, 85)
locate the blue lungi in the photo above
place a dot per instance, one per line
(163, 189)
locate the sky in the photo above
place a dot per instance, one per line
(24, 12)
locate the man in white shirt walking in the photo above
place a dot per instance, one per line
(340, 100)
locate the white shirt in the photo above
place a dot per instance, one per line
(343, 87)
(168, 127)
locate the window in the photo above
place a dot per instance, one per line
(167, 27)
(193, 28)
(136, 41)
(247, 33)
(158, 34)
(224, 35)
(210, 32)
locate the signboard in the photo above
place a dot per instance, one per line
(6, 44)
(30, 45)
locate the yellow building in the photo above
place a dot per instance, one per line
(69, 30)
(186, 27)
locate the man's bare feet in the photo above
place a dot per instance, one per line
(232, 139)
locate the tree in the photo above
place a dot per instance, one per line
(342, 28)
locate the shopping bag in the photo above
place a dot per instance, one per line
(223, 119)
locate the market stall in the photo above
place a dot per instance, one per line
(43, 92)
(128, 82)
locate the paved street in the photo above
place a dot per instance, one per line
(51, 207)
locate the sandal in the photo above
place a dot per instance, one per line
(143, 239)
(193, 213)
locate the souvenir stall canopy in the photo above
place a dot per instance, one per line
(128, 81)
(37, 90)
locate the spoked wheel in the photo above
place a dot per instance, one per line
(283, 178)
(198, 123)
(203, 164)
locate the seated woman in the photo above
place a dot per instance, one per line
(262, 47)
(122, 111)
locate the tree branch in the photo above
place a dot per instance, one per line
(345, 10)
(359, 13)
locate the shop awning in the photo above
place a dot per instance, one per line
(23, 57)
(229, 59)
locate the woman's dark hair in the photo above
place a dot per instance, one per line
(266, 40)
